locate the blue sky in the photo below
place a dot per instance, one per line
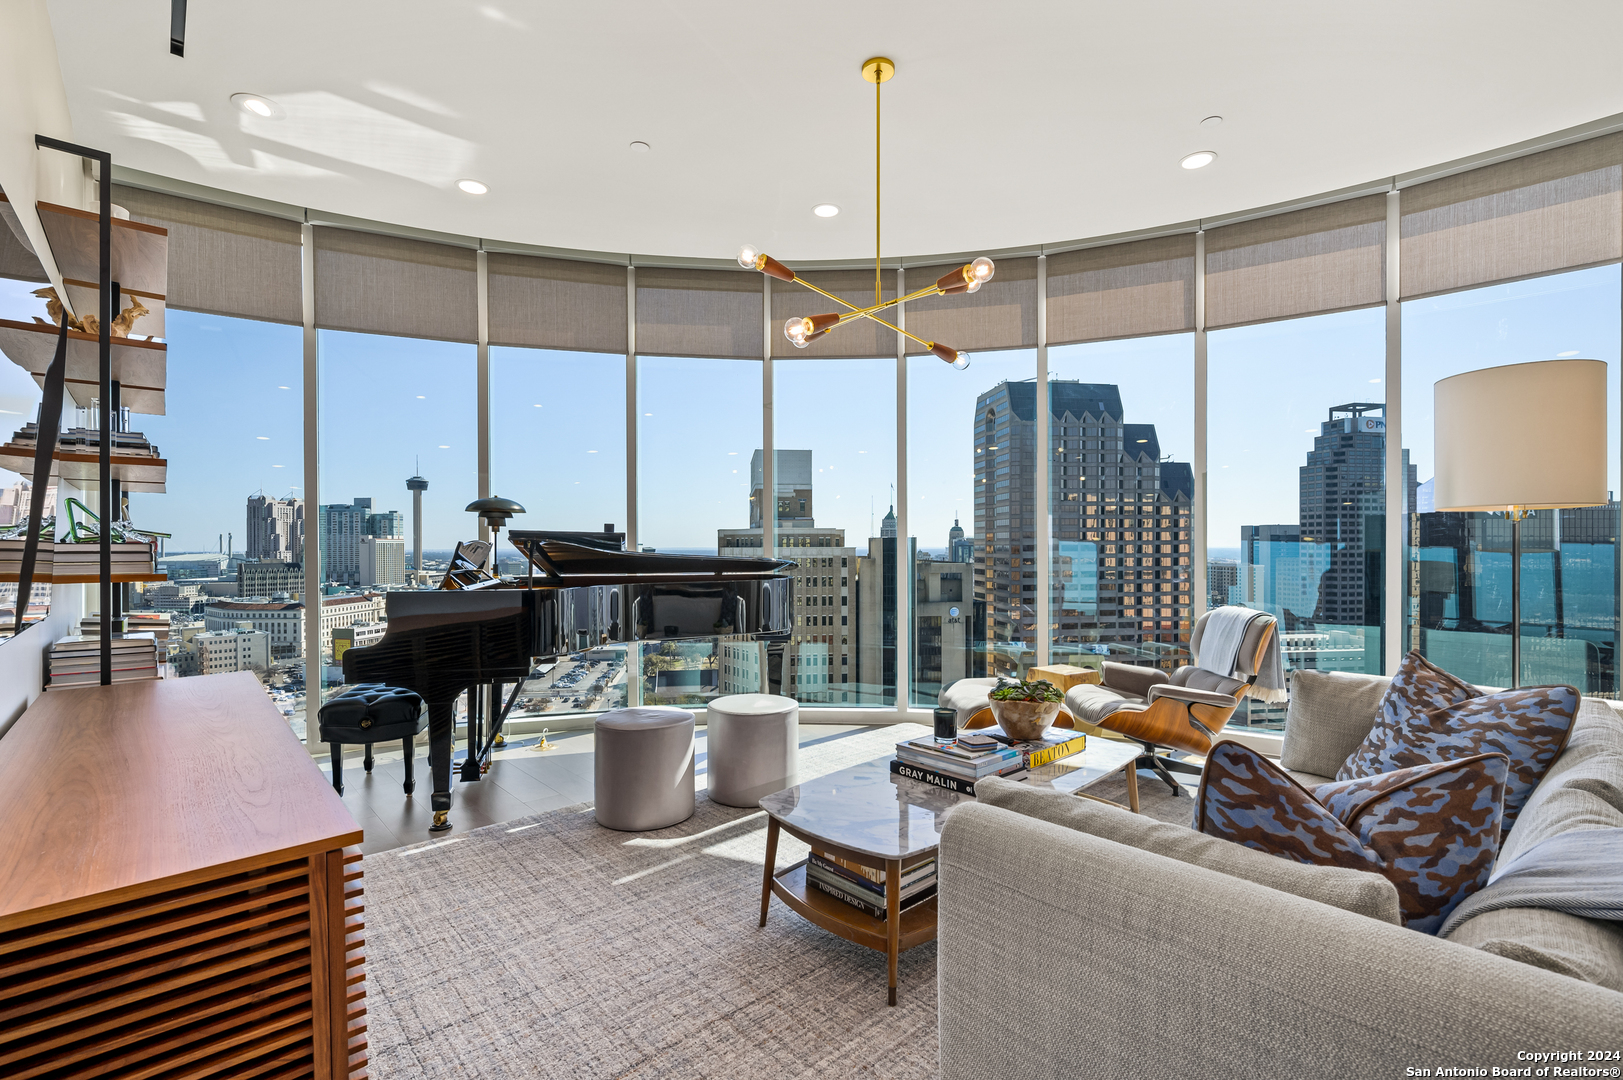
(558, 419)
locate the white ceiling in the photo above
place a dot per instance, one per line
(1010, 123)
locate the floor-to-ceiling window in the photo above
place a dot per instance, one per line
(1121, 489)
(962, 595)
(835, 503)
(1457, 609)
(558, 447)
(1297, 442)
(19, 405)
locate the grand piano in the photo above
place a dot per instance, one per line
(480, 633)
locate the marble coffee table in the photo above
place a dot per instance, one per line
(869, 816)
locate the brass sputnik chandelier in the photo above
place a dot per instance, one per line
(803, 330)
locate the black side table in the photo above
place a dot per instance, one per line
(369, 713)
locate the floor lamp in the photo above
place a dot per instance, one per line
(1518, 438)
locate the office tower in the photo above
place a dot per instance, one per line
(275, 529)
(383, 560)
(270, 576)
(1119, 530)
(887, 526)
(818, 663)
(343, 527)
(1343, 506)
(960, 548)
(416, 485)
(1280, 573)
(16, 501)
(1222, 578)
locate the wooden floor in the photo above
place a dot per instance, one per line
(521, 781)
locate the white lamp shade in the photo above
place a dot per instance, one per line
(1529, 436)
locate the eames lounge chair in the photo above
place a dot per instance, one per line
(1184, 711)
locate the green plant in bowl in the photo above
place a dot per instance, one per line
(1024, 710)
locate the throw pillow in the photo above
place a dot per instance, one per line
(1432, 830)
(1428, 715)
(1330, 715)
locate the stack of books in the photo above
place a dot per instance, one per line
(11, 559)
(863, 886)
(84, 558)
(975, 755)
(76, 661)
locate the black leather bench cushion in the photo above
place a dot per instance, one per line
(372, 712)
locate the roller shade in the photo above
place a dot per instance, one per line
(1325, 258)
(1558, 210)
(1122, 290)
(17, 258)
(557, 303)
(855, 340)
(1002, 315)
(699, 313)
(390, 285)
(224, 261)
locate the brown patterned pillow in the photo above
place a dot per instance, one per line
(1432, 830)
(1428, 715)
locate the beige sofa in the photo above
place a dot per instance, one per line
(1078, 940)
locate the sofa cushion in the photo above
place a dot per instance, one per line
(1432, 830)
(1428, 715)
(1583, 789)
(1349, 889)
(1330, 715)
(1587, 949)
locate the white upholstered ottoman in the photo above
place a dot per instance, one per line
(644, 768)
(751, 747)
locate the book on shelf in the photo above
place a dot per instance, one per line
(947, 781)
(854, 897)
(870, 880)
(951, 759)
(1056, 744)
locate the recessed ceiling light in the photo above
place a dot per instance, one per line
(255, 105)
(1199, 159)
(472, 187)
(1211, 121)
(639, 147)
(825, 209)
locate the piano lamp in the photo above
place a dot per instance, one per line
(1518, 438)
(802, 330)
(494, 512)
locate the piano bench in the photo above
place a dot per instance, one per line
(368, 713)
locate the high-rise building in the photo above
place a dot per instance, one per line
(960, 548)
(268, 577)
(16, 500)
(1222, 578)
(343, 527)
(275, 529)
(1120, 528)
(945, 648)
(416, 485)
(792, 480)
(1343, 506)
(383, 561)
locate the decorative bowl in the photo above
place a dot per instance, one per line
(1024, 719)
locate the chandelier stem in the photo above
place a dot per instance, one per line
(877, 84)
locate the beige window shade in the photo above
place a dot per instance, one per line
(1122, 290)
(224, 261)
(1326, 258)
(698, 313)
(1002, 315)
(856, 339)
(17, 258)
(557, 303)
(1558, 210)
(390, 285)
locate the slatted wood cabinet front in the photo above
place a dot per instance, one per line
(191, 907)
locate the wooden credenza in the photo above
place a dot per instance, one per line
(180, 890)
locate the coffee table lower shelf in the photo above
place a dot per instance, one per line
(918, 923)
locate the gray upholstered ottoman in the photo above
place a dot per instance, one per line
(644, 768)
(751, 747)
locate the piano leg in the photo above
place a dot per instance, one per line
(411, 764)
(476, 712)
(441, 728)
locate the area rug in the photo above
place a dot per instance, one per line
(551, 947)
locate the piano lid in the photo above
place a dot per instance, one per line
(568, 559)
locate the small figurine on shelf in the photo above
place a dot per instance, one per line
(90, 324)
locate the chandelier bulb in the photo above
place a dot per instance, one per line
(974, 286)
(961, 361)
(982, 269)
(747, 255)
(797, 330)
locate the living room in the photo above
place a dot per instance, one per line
(915, 542)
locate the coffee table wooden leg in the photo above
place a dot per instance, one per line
(1132, 785)
(893, 923)
(771, 865)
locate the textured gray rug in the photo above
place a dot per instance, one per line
(551, 947)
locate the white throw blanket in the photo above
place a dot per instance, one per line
(1220, 651)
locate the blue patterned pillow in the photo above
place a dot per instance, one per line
(1428, 715)
(1432, 830)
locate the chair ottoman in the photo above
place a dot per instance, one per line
(368, 713)
(643, 766)
(752, 747)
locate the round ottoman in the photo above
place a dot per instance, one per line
(644, 768)
(751, 747)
